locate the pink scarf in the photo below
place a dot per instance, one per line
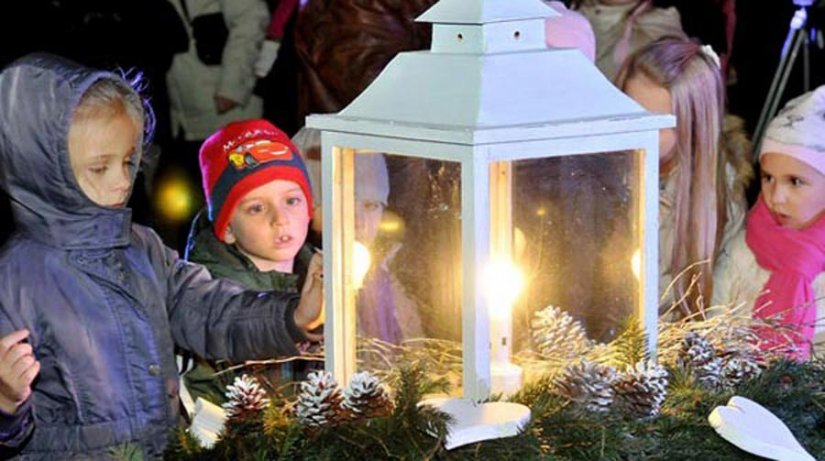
(794, 257)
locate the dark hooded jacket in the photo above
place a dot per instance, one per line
(105, 301)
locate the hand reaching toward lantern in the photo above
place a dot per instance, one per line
(310, 312)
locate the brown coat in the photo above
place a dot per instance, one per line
(358, 40)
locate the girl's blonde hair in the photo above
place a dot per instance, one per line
(120, 93)
(695, 85)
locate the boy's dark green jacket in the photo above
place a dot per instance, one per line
(205, 379)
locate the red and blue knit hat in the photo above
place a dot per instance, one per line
(243, 156)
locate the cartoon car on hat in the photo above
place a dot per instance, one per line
(252, 154)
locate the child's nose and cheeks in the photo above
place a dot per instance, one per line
(279, 216)
(124, 181)
(777, 194)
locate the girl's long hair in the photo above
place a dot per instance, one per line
(695, 85)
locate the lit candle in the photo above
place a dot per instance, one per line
(504, 283)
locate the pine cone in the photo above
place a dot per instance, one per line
(699, 356)
(588, 385)
(319, 402)
(245, 397)
(366, 397)
(556, 333)
(738, 369)
(641, 390)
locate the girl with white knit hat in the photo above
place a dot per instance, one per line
(776, 264)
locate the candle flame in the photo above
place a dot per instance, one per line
(504, 282)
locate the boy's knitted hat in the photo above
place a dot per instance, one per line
(799, 130)
(242, 156)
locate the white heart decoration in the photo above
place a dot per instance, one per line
(755, 429)
(474, 422)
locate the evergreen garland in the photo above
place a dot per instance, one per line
(559, 429)
(630, 347)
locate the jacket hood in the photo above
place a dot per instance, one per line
(38, 95)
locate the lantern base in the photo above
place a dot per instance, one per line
(505, 378)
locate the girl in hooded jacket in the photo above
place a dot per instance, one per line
(703, 165)
(774, 267)
(91, 305)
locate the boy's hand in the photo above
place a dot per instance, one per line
(18, 368)
(310, 312)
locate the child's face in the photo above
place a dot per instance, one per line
(102, 155)
(270, 225)
(368, 215)
(793, 190)
(656, 99)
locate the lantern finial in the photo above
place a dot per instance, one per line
(487, 26)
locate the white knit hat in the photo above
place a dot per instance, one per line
(372, 182)
(799, 130)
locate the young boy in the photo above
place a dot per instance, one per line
(92, 306)
(259, 207)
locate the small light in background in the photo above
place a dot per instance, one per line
(175, 197)
(361, 261)
(392, 223)
(636, 263)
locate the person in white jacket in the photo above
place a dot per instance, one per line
(206, 97)
(624, 26)
(775, 265)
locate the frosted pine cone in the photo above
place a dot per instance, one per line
(319, 402)
(245, 396)
(641, 390)
(366, 397)
(738, 369)
(556, 333)
(588, 385)
(699, 356)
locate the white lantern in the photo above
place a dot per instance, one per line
(492, 100)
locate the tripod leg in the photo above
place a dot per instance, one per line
(806, 63)
(780, 79)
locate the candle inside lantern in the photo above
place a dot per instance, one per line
(504, 283)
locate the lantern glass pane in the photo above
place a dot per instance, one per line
(406, 215)
(577, 237)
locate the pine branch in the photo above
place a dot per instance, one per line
(630, 347)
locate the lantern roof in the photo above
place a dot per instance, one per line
(476, 12)
(489, 77)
